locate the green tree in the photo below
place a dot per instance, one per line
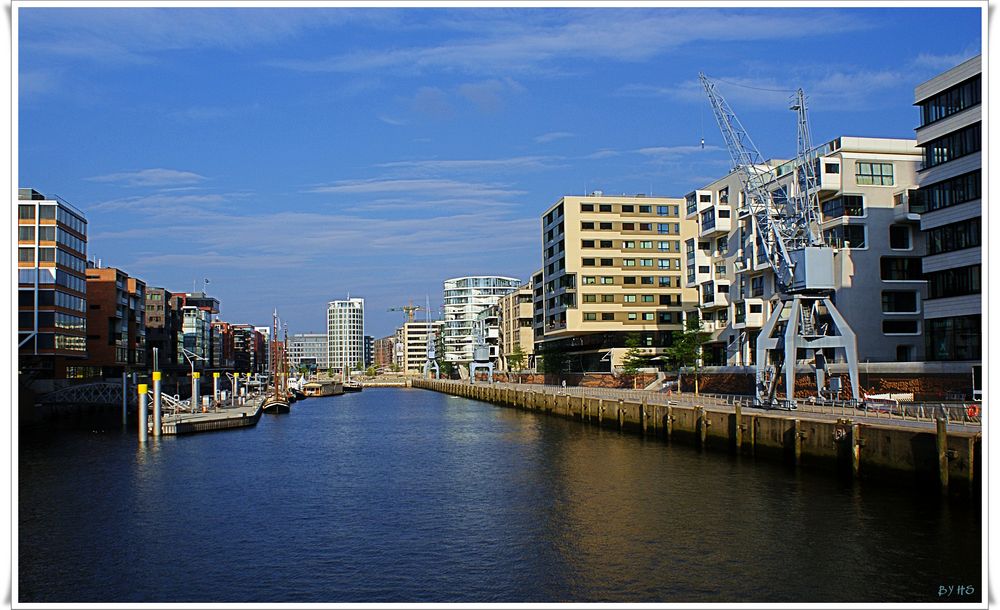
(551, 361)
(515, 361)
(372, 371)
(686, 348)
(634, 358)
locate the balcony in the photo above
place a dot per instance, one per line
(829, 182)
(907, 206)
(748, 313)
(716, 220)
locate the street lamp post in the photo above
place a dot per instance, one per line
(191, 357)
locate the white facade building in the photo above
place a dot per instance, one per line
(310, 348)
(345, 331)
(464, 299)
(877, 250)
(412, 340)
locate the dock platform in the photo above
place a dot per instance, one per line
(222, 419)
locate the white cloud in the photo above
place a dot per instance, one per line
(508, 164)
(416, 187)
(150, 177)
(552, 136)
(526, 41)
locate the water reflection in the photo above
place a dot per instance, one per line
(407, 496)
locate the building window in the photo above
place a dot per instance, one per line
(628, 226)
(899, 237)
(588, 243)
(896, 268)
(900, 327)
(845, 205)
(632, 316)
(26, 233)
(606, 243)
(604, 207)
(628, 298)
(588, 262)
(26, 212)
(589, 316)
(605, 226)
(607, 298)
(957, 338)
(607, 316)
(950, 101)
(645, 226)
(705, 197)
(756, 308)
(646, 245)
(628, 262)
(628, 209)
(647, 298)
(756, 287)
(585, 207)
(831, 168)
(589, 279)
(846, 236)
(648, 316)
(628, 279)
(645, 262)
(899, 301)
(607, 262)
(628, 245)
(955, 236)
(586, 226)
(953, 191)
(877, 174)
(26, 255)
(954, 145)
(647, 280)
(606, 279)
(955, 282)
(645, 209)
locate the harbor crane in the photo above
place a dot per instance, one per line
(409, 310)
(804, 320)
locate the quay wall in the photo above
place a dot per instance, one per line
(945, 459)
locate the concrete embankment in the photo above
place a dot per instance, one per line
(932, 454)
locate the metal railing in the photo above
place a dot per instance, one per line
(871, 410)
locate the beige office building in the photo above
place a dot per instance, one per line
(516, 328)
(411, 346)
(613, 266)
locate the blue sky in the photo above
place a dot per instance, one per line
(293, 156)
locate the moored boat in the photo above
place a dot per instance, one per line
(324, 387)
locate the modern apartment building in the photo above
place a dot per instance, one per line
(877, 250)
(345, 334)
(384, 352)
(949, 201)
(412, 336)
(516, 322)
(309, 349)
(613, 267)
(369, 350)
(464, 299)
(116, 323)
(51, 285)
(163, 330)
(265, 333)
(249, 350)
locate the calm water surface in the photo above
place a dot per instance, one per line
(396, 495)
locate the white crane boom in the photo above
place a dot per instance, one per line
(806, 319)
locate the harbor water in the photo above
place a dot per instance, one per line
(405, 495)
